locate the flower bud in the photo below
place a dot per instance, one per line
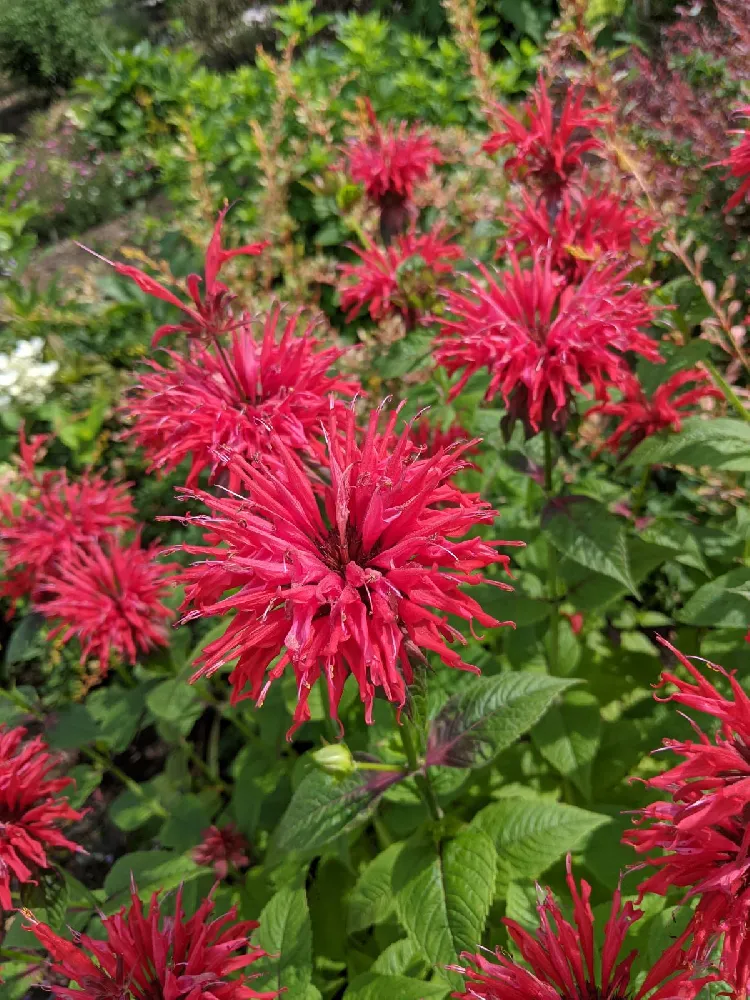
(335, 759)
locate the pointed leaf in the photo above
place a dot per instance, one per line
(489, 715)
(285, 935)
(371, 986)
(444, 893)
(371, 898)
(568, 738)
(585, 532)
(718, 442)
(722, 603)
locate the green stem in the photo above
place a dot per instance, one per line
(202, 766)
(729, 394)
(371, 766)
(11, 955)
(419, 771)
(553, 652)
(133, 786)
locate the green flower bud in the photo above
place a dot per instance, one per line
(335, 759)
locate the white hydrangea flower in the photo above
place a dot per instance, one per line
(24, 377)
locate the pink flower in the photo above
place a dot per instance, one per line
(39, 531)
(585, 229)
(562, 960)
(638, 417)
(30, 809)
(343, 582)
(245, 400)
(403, 278)
(697, 837)
(542, 340)
(549, 147)
(109, 596)
(389, 162)
(738, 162)
(222, 848)
(150, 957)
(209, 314)
(431, 439)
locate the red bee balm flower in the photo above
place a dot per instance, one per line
(550, 147)
(110, 597)
(542, 340)
(389, 162)
(30, 809)
(242, 401)
(584, 230)
(562, 961)
(702, 828)
(222, 848)
(40, 531)
(209, 314)
(639, 417)
(153, 958)
(347, 588)
(738, 162)
(403, 278)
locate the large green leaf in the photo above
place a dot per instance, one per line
(489, 715)
(532, 834)
(371, 986)
(322, 808)
(721, 443)
(286, 937)
(72, 727)
(444, 892)
(722, 603)
(152, 871)
(176, 702)
(371, 898)
(117, 712)
(585, 532)
(568, 738)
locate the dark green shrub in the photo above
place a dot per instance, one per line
(48, 43)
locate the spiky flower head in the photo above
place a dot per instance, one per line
(404, 278)
(110, 597)
(738, 162)
(31, 810)
(152, 957)
(223, 849)
(637, 416)
(542, 340)
(354, 573)
(563, 959)
(550, 145)
(268, 387)
(697, 837)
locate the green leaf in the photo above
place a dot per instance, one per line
(532, 834)
(371, 898)
(130, 811)
(86, 779)
(49, 890)
(152, 870)
(117, 712)
(189, 818)
(405, 355)
(175, 702)
(568, 738)
(585, 532)
(402, 958)
(72, 727)
(371, 986)
(444, 893)
(722, 603)
(286, 936)
(22, 638)
(719, 443)
(489, 715)
(322, 808)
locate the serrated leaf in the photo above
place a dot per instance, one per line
(444, 892)
(371, 986)
(568, 738)
(530, 835)
(50, 891)
(405, 355)
(371, 898)
(402, 958)
(152, 871)
(324, 807)
(175, 702)
(716, 442)
(286, 937)
(721, 603)
(585, 532)
(488, 716)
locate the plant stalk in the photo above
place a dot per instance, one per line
(419, 771)
(553, 651)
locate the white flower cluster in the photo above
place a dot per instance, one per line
(24, 377)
